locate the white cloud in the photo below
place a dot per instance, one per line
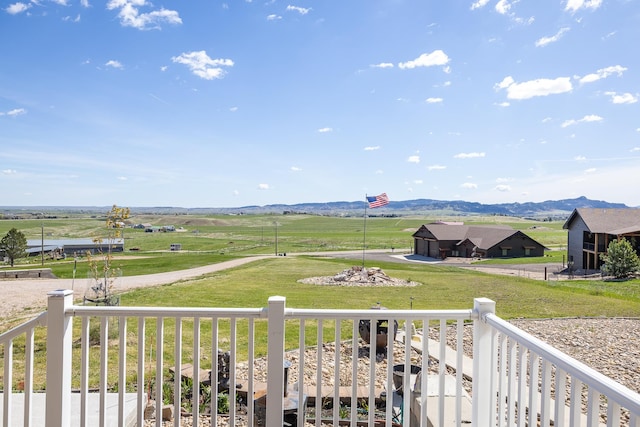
(501, 180)
(114, 64)
(413, 159)
(479, 4)
(505, 83)
(274, 17)
(543, 41)
(325, 130)
(233, 109)
(70, 19)
(372, 148)
(437, 57)
(19, 7)
(623, 98)
(469, 185)
(603, 73)
(263, 186)
(9, 172)
(503, 187)
(580, 158)
(590, 170)
(15, 112)
(202, 65)
(122, 178)
(382, 65)
(469, 155)
(433, 100)
(436, 167)
(300, 10)
(130, 15)
(503, 7)
(504, 104)
(574, 5)
(585, 119)
(295, 169)
(533, 88)
(418, 181)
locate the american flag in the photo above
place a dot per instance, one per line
(377, 201)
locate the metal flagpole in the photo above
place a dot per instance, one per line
(364, 232)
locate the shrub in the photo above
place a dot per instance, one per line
(621, 260)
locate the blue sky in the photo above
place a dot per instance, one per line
(233, 103)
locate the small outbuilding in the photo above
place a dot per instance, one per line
(442, 240)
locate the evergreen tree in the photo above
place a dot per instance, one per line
(13, 245)
(621, 260)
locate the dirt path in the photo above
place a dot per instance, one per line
(23, 298)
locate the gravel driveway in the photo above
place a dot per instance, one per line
(23, 298)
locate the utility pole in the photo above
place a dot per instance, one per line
(276, 225)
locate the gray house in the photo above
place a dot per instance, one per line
(457, 240)
(592, 229)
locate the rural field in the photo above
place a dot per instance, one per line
(312, 245)
(206, 239)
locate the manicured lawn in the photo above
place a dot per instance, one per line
(442, 287)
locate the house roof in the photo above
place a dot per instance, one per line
(610, 221)
(71, 242)
(484, 237)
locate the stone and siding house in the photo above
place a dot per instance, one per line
(440, 240)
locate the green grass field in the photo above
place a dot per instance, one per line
(211, 238)
(219, 238)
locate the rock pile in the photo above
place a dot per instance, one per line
(358, 276)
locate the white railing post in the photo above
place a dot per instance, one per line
(482, 357)
(275, 361)
(59, 340)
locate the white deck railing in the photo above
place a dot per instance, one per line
(146, 342)
(566, 392)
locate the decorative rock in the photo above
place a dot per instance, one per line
(150, 410)
(357, 276)
(167, 412)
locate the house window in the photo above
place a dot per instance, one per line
(505, 251)
(527, 251)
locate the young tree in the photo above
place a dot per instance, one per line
(102, 272)
(621, 260)
(14, 245)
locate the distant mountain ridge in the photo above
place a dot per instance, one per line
(429, 206)
(549, 208)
